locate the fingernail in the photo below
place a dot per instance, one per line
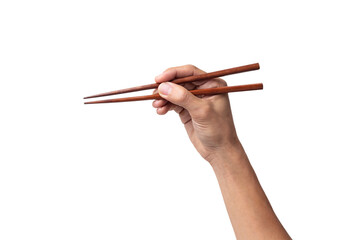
(165, 88)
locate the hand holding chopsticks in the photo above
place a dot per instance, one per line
(205, 76)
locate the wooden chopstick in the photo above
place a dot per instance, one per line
(208, 91)
(205, 76)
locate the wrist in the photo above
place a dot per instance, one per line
(233, 164)
(228, 155)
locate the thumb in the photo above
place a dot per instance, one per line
(178, 95)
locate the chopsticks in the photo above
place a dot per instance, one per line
(208, 91)
(205, 76)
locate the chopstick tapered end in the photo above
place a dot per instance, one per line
(93, 96)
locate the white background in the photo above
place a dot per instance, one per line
(120, 171)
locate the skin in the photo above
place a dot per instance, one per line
(209, 124)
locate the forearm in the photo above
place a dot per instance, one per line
(249, 209)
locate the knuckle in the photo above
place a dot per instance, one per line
(190, 68)
(187, 67)
(222, 83)
(170, 70)
(183, 97)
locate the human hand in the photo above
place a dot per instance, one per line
(209, 124)
(207, 120)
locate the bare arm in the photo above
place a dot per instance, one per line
(249, 210)
(209, 124)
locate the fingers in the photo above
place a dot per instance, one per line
(163, 110)
(172, 73)
(178, 95)
(183, 113)
(178, 72)
(184, 116)
(162, 102)
(159, 103)
(168, 107)
(213, 83)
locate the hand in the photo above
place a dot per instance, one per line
(207, 120)
(209, 124)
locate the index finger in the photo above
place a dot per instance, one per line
(178, 72)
